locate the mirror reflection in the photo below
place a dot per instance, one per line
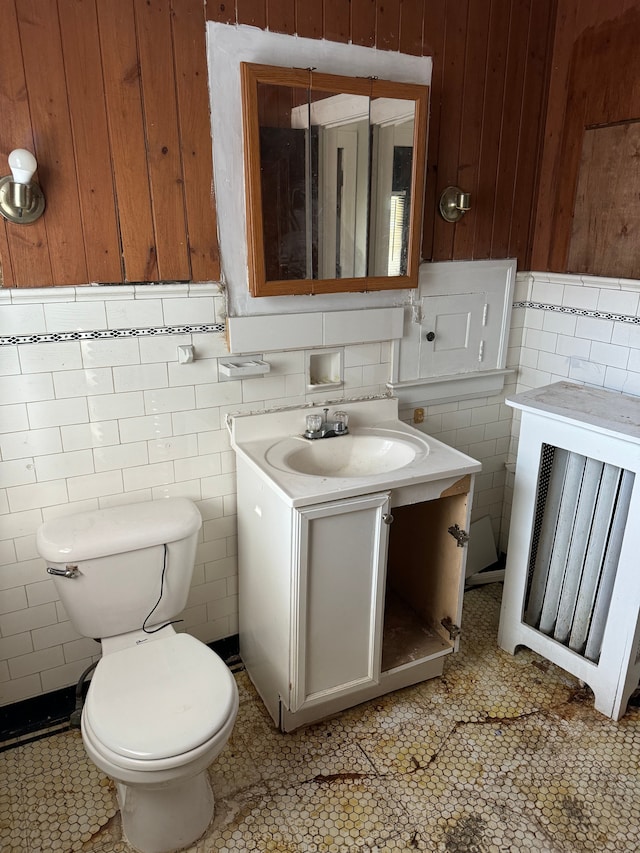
(340, 183)
(331, 201)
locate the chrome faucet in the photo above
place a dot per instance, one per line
(319, 426)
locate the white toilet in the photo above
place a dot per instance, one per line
(161, 705)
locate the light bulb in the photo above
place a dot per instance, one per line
(22, 164)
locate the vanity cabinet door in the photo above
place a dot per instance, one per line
(341, 550)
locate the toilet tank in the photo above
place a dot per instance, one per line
(126, 556)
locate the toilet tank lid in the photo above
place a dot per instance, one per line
(116, 530)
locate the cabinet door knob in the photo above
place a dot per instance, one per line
(387, 518)
(430, 336)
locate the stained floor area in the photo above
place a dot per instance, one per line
(501, 754)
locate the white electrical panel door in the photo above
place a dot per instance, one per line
(452, 334)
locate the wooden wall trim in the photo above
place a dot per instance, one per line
(187, 23)
(41, 44)
(21, 249)
(148, 92)
(85, 90)
(488, 96)
(160, 118)
(123, 95)
(534, 101)
(594, 63)
(112, 97)
(606, 214)
(434, 27)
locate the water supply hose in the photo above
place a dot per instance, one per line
(76, 717)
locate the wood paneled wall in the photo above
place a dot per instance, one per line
(488, 98)
(112, 97)
(595, 83)
(606, 213)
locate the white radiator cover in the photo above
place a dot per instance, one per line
(572, 587)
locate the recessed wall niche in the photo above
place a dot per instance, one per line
(324, 369)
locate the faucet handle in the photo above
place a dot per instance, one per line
(314, 422)
(341, 420)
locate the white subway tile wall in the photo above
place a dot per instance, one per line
(587, 330)
(90, 423)
(551, 339)
(480, 427)
(95, 422)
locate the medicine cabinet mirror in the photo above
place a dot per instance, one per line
(334, 172)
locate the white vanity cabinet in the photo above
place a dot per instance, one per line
(350, 575)
(348, 599)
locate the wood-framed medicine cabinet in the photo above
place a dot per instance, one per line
(334, 171)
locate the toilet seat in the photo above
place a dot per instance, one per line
(160, 769)
(159, 701)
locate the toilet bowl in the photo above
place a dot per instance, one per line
(156, 716)
(161, 705)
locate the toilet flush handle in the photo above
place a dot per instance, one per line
(68, 572)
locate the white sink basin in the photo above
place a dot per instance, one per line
(359, 454)
(380, 452)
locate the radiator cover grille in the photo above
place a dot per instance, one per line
(581, 512)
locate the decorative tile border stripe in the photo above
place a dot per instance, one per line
(580, 312)
(100, 334)
(157, 331)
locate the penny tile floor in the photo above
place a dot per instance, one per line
(500, 754)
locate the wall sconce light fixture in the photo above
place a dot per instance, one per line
(21, 199)
(454, 203)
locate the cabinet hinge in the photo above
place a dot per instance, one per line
(461, 536)
(450, 626)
